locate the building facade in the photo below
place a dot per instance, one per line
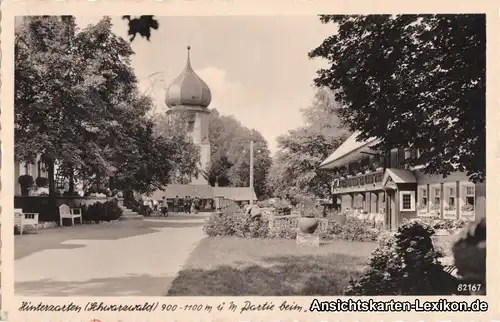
(378, 184)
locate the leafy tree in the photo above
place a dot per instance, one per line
(185, 155)
(218, 171)
(230, 158)
(294, 171)
(77, 103)
(413, 81)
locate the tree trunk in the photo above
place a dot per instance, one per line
(51, 177)
(71, 188)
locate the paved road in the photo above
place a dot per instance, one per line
(135, 258)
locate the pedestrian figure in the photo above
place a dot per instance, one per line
(176, 204)
(196, 205)
(187, 204)
(164, 207)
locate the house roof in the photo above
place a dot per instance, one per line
(399, 176)
(235, 193)
(184, 190)
(348, 151)
(203, 192)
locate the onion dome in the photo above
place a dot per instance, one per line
(188, 89)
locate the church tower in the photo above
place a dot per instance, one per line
(190, 96)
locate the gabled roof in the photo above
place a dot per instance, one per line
(235, 193)
(203, 192)
(399, 176)
(350, 146)
(184, 190)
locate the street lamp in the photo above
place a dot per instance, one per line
(251, 186)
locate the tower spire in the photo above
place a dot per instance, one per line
(188, 64)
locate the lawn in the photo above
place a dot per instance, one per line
(227, 266)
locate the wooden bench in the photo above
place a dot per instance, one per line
(22, 219)
(69, 213)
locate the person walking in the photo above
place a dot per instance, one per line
(195, 205)
(164, 207)
(176, 204)
(187, 205)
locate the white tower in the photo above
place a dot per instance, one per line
(190, 95)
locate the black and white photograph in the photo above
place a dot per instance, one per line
(314, 155)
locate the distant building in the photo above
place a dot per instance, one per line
(383, 184)
(190, 96)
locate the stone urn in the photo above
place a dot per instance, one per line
(308, 225)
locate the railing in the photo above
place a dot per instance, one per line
(361, 182)
(287, 223)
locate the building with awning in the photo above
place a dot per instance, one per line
(377, 182)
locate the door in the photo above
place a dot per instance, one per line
(391, 209)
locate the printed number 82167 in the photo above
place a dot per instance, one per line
(468, 287)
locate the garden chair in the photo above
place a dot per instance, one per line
(69, 213)
(22, 219)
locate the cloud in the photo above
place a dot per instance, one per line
(227, 95)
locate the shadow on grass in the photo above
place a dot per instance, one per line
(277, 276)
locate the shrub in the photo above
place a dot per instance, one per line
(282, 207)
(405, 264)
(98, 212)
(220, 224)
(357, 230)
(469, 253)
(448, 224)
(245, 226)
(42, 182)
(232, 222)
(111, 211)
(138, 207)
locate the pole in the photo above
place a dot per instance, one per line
(251, 173)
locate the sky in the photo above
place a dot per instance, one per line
(256, 66)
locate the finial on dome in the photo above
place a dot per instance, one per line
(188, 63)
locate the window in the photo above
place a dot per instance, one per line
(451, 198)
(437, 196)
(423, 196)
(407, 201)
(469, 198)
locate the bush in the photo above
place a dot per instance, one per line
(469, 253)
(448, 224)
(42, 182)
(405, 264)
(357, 230)
(98, 212)
(220, 224)
(282, 207)
(232, 222)
(138, 207)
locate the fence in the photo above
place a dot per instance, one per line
(287, 223)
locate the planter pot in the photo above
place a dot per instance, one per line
(308, 225)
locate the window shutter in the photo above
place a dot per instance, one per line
(413, 201)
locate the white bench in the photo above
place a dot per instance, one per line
(22, 219)
(69, 213)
